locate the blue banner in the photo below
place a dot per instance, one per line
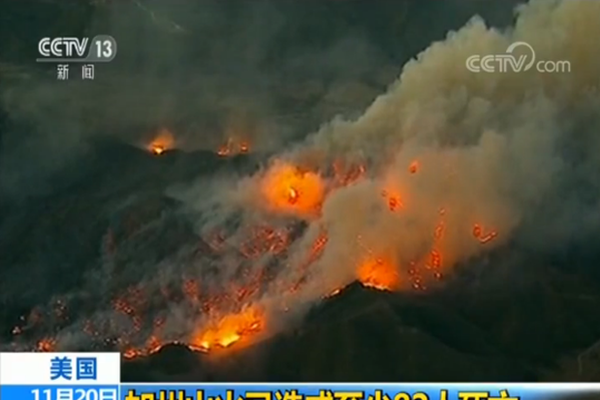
(383, 391)
(73, 369)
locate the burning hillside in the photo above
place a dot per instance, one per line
(441, 169)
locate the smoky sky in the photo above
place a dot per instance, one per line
(268, 70)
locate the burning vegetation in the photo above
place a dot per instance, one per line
(287, 189)
(378, 273)
(302, 195)
(229, 329)
(163, 142)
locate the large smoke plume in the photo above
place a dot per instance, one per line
(451, 164)
(490, 149)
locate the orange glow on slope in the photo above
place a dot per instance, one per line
(290, 190)
(153, 345)
(378, 273)
(162, 142)
(229, 330)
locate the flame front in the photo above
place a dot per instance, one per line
(229, 329)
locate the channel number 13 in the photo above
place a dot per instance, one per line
(104, 49)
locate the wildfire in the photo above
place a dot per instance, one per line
(229, 330)
(290, 190)
(46, 345)
(162, 142)
(233, 147)
(378, 273)
(284, 188)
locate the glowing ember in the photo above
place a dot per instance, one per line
(131, 353)
(287, 189)
(393, 200)
(229, 330)
(233, 147)
(162, 142)
(379, 274)
(435, 260)
(46, 345)
(413, 168)
(483, 237)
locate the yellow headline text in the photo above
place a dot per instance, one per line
(295, 394)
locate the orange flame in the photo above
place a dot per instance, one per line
(287, 189)
(46, 345)
(230, 329)
(378, 273)
(162, 142)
